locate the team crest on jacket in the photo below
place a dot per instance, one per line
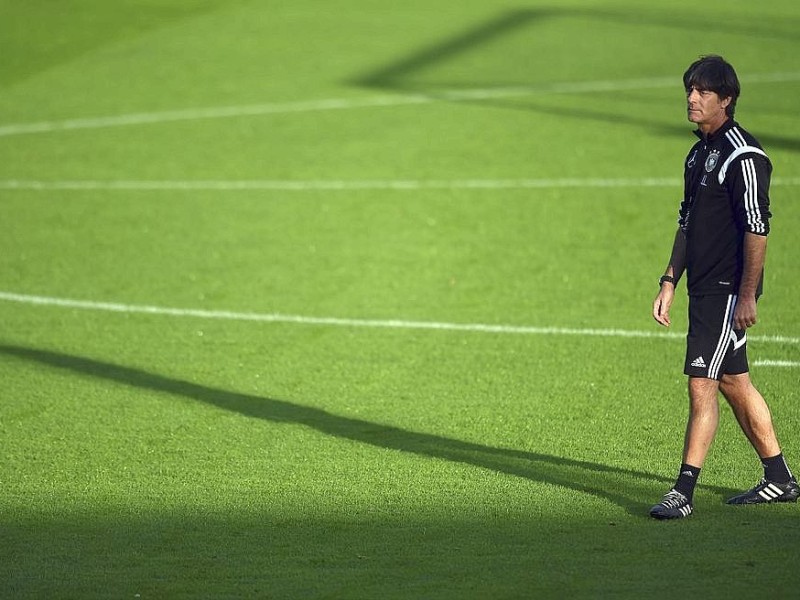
(711, 161)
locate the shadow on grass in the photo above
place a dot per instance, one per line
(590, 112)
(403, 74)
(180, 554)
(191, 552)
(69, 30)
(400, 73)
(632, 490)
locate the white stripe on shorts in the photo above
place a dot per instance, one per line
(724, 339)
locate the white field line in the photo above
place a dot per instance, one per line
(218, 112)
(225, 112)
(776, 363)
(352, 185)
(365, 323)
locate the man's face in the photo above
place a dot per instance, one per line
(706, 108)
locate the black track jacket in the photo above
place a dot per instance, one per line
(726, 193)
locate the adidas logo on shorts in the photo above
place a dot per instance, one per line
(699, 362)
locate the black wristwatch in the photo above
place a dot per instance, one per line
(668, 278)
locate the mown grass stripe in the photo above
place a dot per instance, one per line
(353, 185)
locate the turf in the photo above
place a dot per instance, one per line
(360, 172)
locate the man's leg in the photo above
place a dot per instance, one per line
(700, 430)
(703, 420)
(752, 412)
(754, 417)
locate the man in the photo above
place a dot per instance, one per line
(721, 245)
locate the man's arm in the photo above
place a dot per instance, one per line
(675, 268)
(755, 252)
(748, 184)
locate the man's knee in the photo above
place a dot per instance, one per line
(703, 393)
(735, 386)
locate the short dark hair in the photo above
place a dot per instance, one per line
(714, 73)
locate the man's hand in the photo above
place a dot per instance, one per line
(745, 314)
(662, 303)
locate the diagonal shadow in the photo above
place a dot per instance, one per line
(26, 56)
(590, 113)
(603, 481)
(399, 75)
(395, 75)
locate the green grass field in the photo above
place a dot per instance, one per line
(352, 300)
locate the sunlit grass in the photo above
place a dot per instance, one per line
(180, 457)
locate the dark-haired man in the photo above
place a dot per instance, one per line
(721, 245)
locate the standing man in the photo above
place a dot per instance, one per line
(721, 245)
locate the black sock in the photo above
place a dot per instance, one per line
(775, 469)
(687, 479)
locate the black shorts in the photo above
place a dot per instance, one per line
(713, 347)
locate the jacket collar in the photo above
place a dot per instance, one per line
(719, 132)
